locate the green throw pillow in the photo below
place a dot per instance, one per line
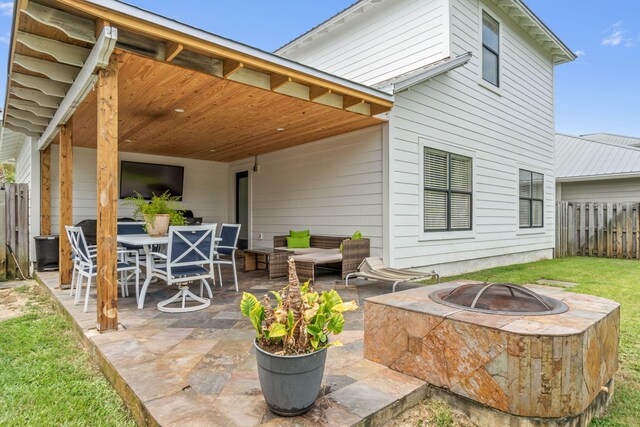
(304, 233)
(298, 242)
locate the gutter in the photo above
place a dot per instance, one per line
(83, 84)
(598, 177)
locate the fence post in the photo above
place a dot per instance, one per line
(3, 235)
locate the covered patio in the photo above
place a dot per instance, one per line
(91, 82)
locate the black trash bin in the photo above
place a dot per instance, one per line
(47, 252)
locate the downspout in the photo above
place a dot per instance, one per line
(83, 85)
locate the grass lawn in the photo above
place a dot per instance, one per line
(45, 376)
(618, 280)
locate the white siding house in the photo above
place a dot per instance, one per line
(503, 129)
(597, 171)
(457, 176)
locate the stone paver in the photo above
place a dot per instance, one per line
(199, 368)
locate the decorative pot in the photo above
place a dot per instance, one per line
(290, 384)
(157, 224)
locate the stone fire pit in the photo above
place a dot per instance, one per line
(556, 368)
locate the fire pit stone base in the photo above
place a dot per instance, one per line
(548, 367)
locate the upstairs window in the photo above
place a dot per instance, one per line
(531, 199)
(447, 191)
(490, 49)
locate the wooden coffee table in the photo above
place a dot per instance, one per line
(272, 260)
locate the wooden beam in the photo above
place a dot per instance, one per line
(278, 80)
(65, 182)
(377, 109)
(230, 66)
(46, 86)
(65, 53)
(350, 101)
(106, 233)
(172, 50)
(73, 26)
(100, 24)
(316, 92)
(53, 70)
(45, 192)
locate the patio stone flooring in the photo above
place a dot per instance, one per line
(192, 369)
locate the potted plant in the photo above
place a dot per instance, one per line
(158, 213)
(292, 340)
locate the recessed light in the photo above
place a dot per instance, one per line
(280, 129)
(128, 140)
(179, 110)
(213, 151)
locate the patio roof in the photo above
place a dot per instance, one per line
(235, 98)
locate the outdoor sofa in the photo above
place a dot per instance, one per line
(325, 251)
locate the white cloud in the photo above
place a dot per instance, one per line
(5, 38)
(617, 36)
(580, 53)
(6, 8)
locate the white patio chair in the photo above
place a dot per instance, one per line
(190, 255)
(229, 233)
(75, 258)
(85, 266)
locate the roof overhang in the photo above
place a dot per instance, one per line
(405, 81)
(58, 46)
(602, 177)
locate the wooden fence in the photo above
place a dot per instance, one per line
(608, 230)
(14, 230)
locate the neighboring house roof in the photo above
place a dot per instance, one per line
(516, 9)
(583, 159)
(10, 144)
(613, 139)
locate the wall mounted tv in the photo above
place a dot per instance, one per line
(148, 179)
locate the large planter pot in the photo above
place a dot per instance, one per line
(157, 225)
(290, 384)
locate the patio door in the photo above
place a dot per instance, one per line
(242, 208)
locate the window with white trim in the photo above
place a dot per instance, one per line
(531, 199)
(490, 49)
(447, 191)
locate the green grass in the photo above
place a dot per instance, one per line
(618, 280)
(46, 379)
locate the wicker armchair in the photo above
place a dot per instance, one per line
(353, 253)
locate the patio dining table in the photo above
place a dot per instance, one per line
(147, 242)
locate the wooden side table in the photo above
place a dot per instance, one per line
(274, 261)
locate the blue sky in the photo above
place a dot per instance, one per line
(598, 92)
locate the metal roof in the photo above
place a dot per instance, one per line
(613, 139)
(581, 159)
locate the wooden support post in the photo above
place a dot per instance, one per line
(65, 162)
(106, 232)
(45, 191)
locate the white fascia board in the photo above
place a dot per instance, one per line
(435, 71)
(188, 30)
(598, 177)
(83, 84)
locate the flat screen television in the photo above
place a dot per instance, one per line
(148, 179)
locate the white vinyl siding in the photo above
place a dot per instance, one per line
(205, 186)
(330, 187)
(625, 190)
(387, 40)
(506, 131)
(23, 164)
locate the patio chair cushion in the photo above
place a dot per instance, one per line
(320, 256)
(189, 270)
(298, 251)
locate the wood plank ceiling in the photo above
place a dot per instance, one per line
(232, 109)
(223, 120)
